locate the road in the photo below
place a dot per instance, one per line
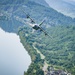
(44, 68)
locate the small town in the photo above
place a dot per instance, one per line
(52, 71)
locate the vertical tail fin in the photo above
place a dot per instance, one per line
(42, 21)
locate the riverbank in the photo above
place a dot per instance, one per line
(37, 63)
(14, 59)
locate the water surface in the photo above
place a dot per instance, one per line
(14, 59)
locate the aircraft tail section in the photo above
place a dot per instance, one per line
(42, 22)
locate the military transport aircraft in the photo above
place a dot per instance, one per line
(36, 26)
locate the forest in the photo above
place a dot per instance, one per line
(58, 51)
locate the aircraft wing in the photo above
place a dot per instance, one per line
(28, 16)
(45, 32)
(42, 21)
(32, 21)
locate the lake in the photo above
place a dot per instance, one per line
(14, 59)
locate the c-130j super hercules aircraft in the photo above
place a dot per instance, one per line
(36, 26)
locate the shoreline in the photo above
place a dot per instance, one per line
(36, 60)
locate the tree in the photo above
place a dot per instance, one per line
(39, 72)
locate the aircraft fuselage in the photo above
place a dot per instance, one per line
(36, 27)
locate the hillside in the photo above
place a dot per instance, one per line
(66, 7)
(42, 2)
(70, 1)
(59, 51)
(13, 9)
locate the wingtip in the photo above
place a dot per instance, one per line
(50, 36)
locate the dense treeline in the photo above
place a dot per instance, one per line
(38, 12)
(34, 69)
(37, 63)
(59, 51)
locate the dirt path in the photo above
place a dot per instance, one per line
(42, 57)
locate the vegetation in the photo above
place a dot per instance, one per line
(59, 51)
(12, 9)
(36, 66)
